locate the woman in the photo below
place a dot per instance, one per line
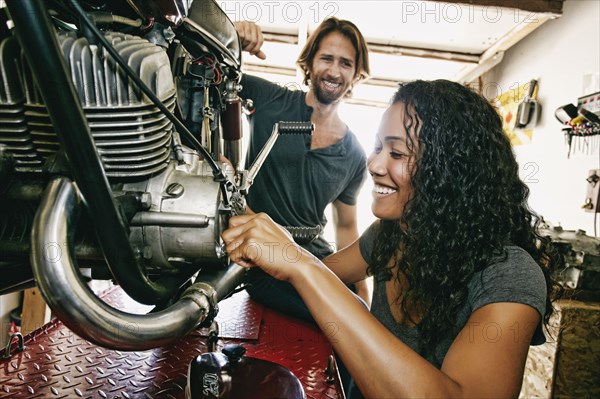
(462, 279)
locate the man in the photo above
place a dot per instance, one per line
(304, 174)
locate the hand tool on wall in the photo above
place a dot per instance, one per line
(529, 109)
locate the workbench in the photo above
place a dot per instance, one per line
(56, 363)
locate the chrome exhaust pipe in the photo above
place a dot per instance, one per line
(57, 275)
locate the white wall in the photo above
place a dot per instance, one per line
(559, 54)
(7, 304)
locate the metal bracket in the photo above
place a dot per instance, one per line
(210, 293)
(8, 348)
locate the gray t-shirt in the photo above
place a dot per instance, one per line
(296, 183)
(518, 278)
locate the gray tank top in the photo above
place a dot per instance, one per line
(518, 278)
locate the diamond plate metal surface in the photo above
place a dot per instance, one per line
(239, 317)
(59, 364)
(299, 346)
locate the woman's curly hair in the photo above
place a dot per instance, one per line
(468, 203)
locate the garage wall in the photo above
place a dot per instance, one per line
(560, 54)
(7, 304)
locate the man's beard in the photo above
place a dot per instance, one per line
(326, 97)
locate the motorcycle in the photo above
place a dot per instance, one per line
(116, 119)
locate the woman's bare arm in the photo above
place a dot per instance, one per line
(478, 364)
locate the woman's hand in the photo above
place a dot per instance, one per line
(251, 37)
(255, 240)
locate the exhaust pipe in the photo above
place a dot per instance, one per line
(58, 278)
(38, 41)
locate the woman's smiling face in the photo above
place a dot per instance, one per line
(391, 164)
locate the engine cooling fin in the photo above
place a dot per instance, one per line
(132, 135)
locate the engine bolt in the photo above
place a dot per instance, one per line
(147, 252)
(220, 250)
(146, 201)
(175, 190)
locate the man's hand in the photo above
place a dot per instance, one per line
(226, 164)
(252, 38)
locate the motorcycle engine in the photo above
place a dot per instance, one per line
(166, 190)
(114, 117)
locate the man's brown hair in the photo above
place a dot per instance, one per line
(350, 31)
